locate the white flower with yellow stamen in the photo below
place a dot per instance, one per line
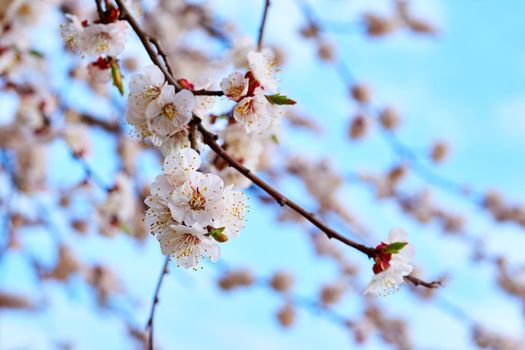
(169, 112)
(188, 244)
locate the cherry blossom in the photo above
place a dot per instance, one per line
(118, 207)
(391, 271)
(188, 244)
(94, 39)
(254, 113)
(262, 65)
(235, 86)
(169, 112)
(200, 199)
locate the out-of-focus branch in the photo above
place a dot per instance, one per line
(151, 319)
(263, 24)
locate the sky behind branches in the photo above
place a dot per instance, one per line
(466, 86)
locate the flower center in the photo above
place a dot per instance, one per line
(169, 111)
(151, 92)
(197, 200)
(246, 108)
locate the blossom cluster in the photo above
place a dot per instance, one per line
(190, 212)
(103, 40)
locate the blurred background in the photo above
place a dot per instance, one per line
(446, 165)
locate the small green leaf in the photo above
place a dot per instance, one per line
(218, 234)
(395, 248)
(279, 99)
(117, 76)
(36, 53)
(275, 138)
(124, 228)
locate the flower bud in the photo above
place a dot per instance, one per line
(358, 127)
(439, 152)
(378, 26)
(286, 315)
(331, 294)
(326, 52)
(361, 93)
(389, 118)
(282, 281)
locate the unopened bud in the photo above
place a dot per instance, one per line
(310, 31)
(236, 279)
(331, 294)
(325, 51)
(389, 118)
(396, 174)
(358, 127)
(361, 93)
(378, 26)
(218, 234)
(439, 152)
(286, 315)
(81, 226)
(282, 281)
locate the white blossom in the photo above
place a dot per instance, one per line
(119, 206)
(143, 89)
(76, 136)
(94, 39)
(188, 244)
(203, 103)
(170, 112)
(98, 74)
(389, 280)
(200, 199)
(263, 66)
(232, 218)
(177, 169)
(235, 86)
(254, 113)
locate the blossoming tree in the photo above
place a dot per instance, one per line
(211, 119)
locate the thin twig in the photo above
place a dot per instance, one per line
(149, 325)
(146, 42)
(100, 10)
(161, 53)
(263, 24)
(210, 140)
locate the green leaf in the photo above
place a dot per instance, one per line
(395, 248)
(279, 99)
(275, 139)
(117, 77)
(36, 53)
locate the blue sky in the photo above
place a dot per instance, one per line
(466, 86)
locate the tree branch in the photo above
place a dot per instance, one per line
(149, 325)
(263, 24)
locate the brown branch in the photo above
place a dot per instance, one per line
(100, 10)
(111, 127)
(263, 24)
(211, 140)
(149, 325)
(418, 282)
(193, 135)
(161, 53)
(146, 42)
